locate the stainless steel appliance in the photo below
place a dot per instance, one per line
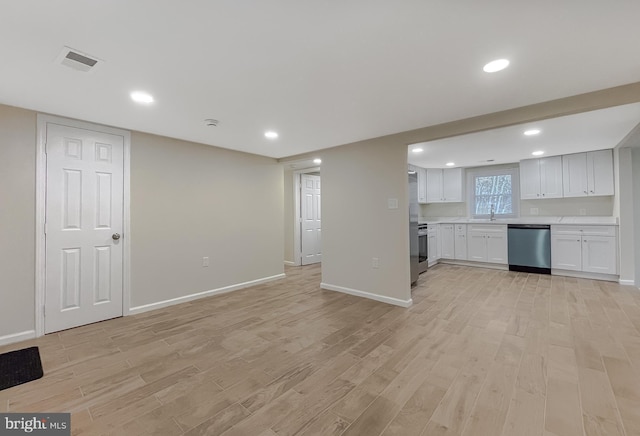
(529, 248)
(423, 248)
(413, 226)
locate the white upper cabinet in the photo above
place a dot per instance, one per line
(541, 178)
(444, 186)
(422, 185)
(588, 173)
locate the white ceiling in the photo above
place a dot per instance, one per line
(588, 131)
(321, 73)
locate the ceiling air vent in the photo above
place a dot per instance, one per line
(78, 60)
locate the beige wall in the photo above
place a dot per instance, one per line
(187, 201)
(357, 181)
(626, 213)
(635, 219)
(17, 220)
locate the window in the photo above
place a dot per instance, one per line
(493, 188)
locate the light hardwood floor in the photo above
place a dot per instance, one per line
(481, 352)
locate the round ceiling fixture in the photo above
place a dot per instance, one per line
(317, 161)
(210, 122)
(450, 164)
(532, 132)
(270, 134)
(538, 153)
(141, 97)
(497, 65)
(417, 150)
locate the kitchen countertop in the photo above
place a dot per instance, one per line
(567, 220)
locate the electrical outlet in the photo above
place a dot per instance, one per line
(533, 211)
(582, 211)
(375, 263)
(205, 261)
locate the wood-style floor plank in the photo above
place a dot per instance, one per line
(481, 352)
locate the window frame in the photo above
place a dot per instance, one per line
(489, 172)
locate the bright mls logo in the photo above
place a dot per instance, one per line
(42, 424)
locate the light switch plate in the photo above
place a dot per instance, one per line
(392, 203)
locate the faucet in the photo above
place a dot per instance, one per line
(493, 213)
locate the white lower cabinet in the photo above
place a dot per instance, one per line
(460, 242)
(432, 245)
(487, 243)
(584, 248)
(447, 241)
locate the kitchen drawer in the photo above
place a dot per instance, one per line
(583, 230)
(487, 228)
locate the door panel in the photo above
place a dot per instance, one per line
(311, 226)
(84, 208)
(574, 175)
(599, 254)
(566, 252)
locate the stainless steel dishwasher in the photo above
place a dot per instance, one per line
(529, 248)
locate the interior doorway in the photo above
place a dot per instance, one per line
(82, 223)
(308, 217)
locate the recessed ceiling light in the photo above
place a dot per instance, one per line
(538, 153)
(532, 132)
(497, 65)
(450, 164)
(417, 150)
(271, 134)
(141, 97)
(317, 161)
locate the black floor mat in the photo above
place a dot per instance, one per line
(18, 367)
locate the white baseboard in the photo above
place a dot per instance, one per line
(585, 275)
(288, 262)
(17, 337)
(369, 295)
(191, 297)
(627, 282)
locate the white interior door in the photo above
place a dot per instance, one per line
(311, 225)
(84, 216)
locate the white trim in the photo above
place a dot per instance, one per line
(41, 190)
(17, 337)
(585, 275)
(288, 262)
(474, 264)
(369, 295)
(627, 282)
(472, 173)
(198, 295)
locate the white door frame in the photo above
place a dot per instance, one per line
(297, 252)
(41, 192)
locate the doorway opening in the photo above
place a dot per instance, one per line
(308, 221)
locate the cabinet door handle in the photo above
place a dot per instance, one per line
(543, 194)
(585, 192)
(591, 192)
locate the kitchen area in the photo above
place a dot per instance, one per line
(539, 198)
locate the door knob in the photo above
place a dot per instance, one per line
(115, 236)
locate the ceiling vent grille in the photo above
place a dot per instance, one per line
(78, 60)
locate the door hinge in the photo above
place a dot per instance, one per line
(45, 228)
(44, 311)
